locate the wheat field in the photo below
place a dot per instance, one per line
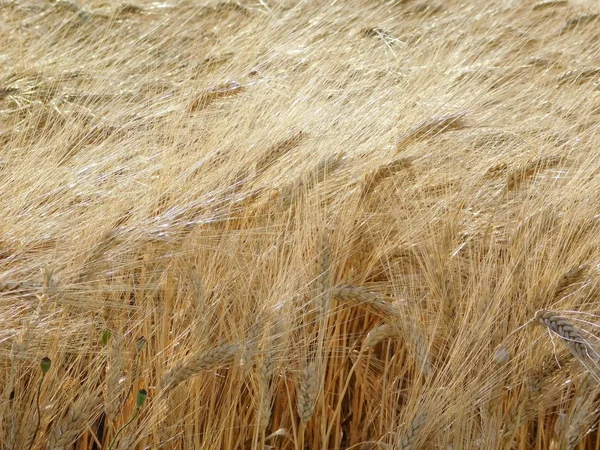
(307, 224)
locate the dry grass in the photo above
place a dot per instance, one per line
(334, 224)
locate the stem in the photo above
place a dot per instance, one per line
(301, 435)
(8, 388)
(137, 410)
(132, 386)
(37, 402)
(342, 394)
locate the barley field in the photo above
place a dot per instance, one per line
(300, 224)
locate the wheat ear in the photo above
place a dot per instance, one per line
(266, 367)
(322, 288)
(73, 424)
(585, 412)
(571, 336)
(375, 177)
(280, 149)
(20, 345)
(248, 348)
(420, 346)
(572, 276)
(290, 192)
(549, 3)
(390, 313)
(378, 334)
(355, 295)
(518, 412)
(308, 391)
(409, 438)
(114, 375)
(27, 436)
(206, 360)
(225, 90)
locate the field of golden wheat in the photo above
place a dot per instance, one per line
(300, 224)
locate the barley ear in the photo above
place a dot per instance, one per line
(114, 384)
(571, 337)
(409, 437)
(73, 424)
(359, 296)
(322, 281)
(308, 391)
(206, 360)
(378, 334)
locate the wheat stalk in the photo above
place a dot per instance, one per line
(374, 337)
(500, 357)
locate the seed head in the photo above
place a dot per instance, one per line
(45, 364)
(105, 336)
(141, 398)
